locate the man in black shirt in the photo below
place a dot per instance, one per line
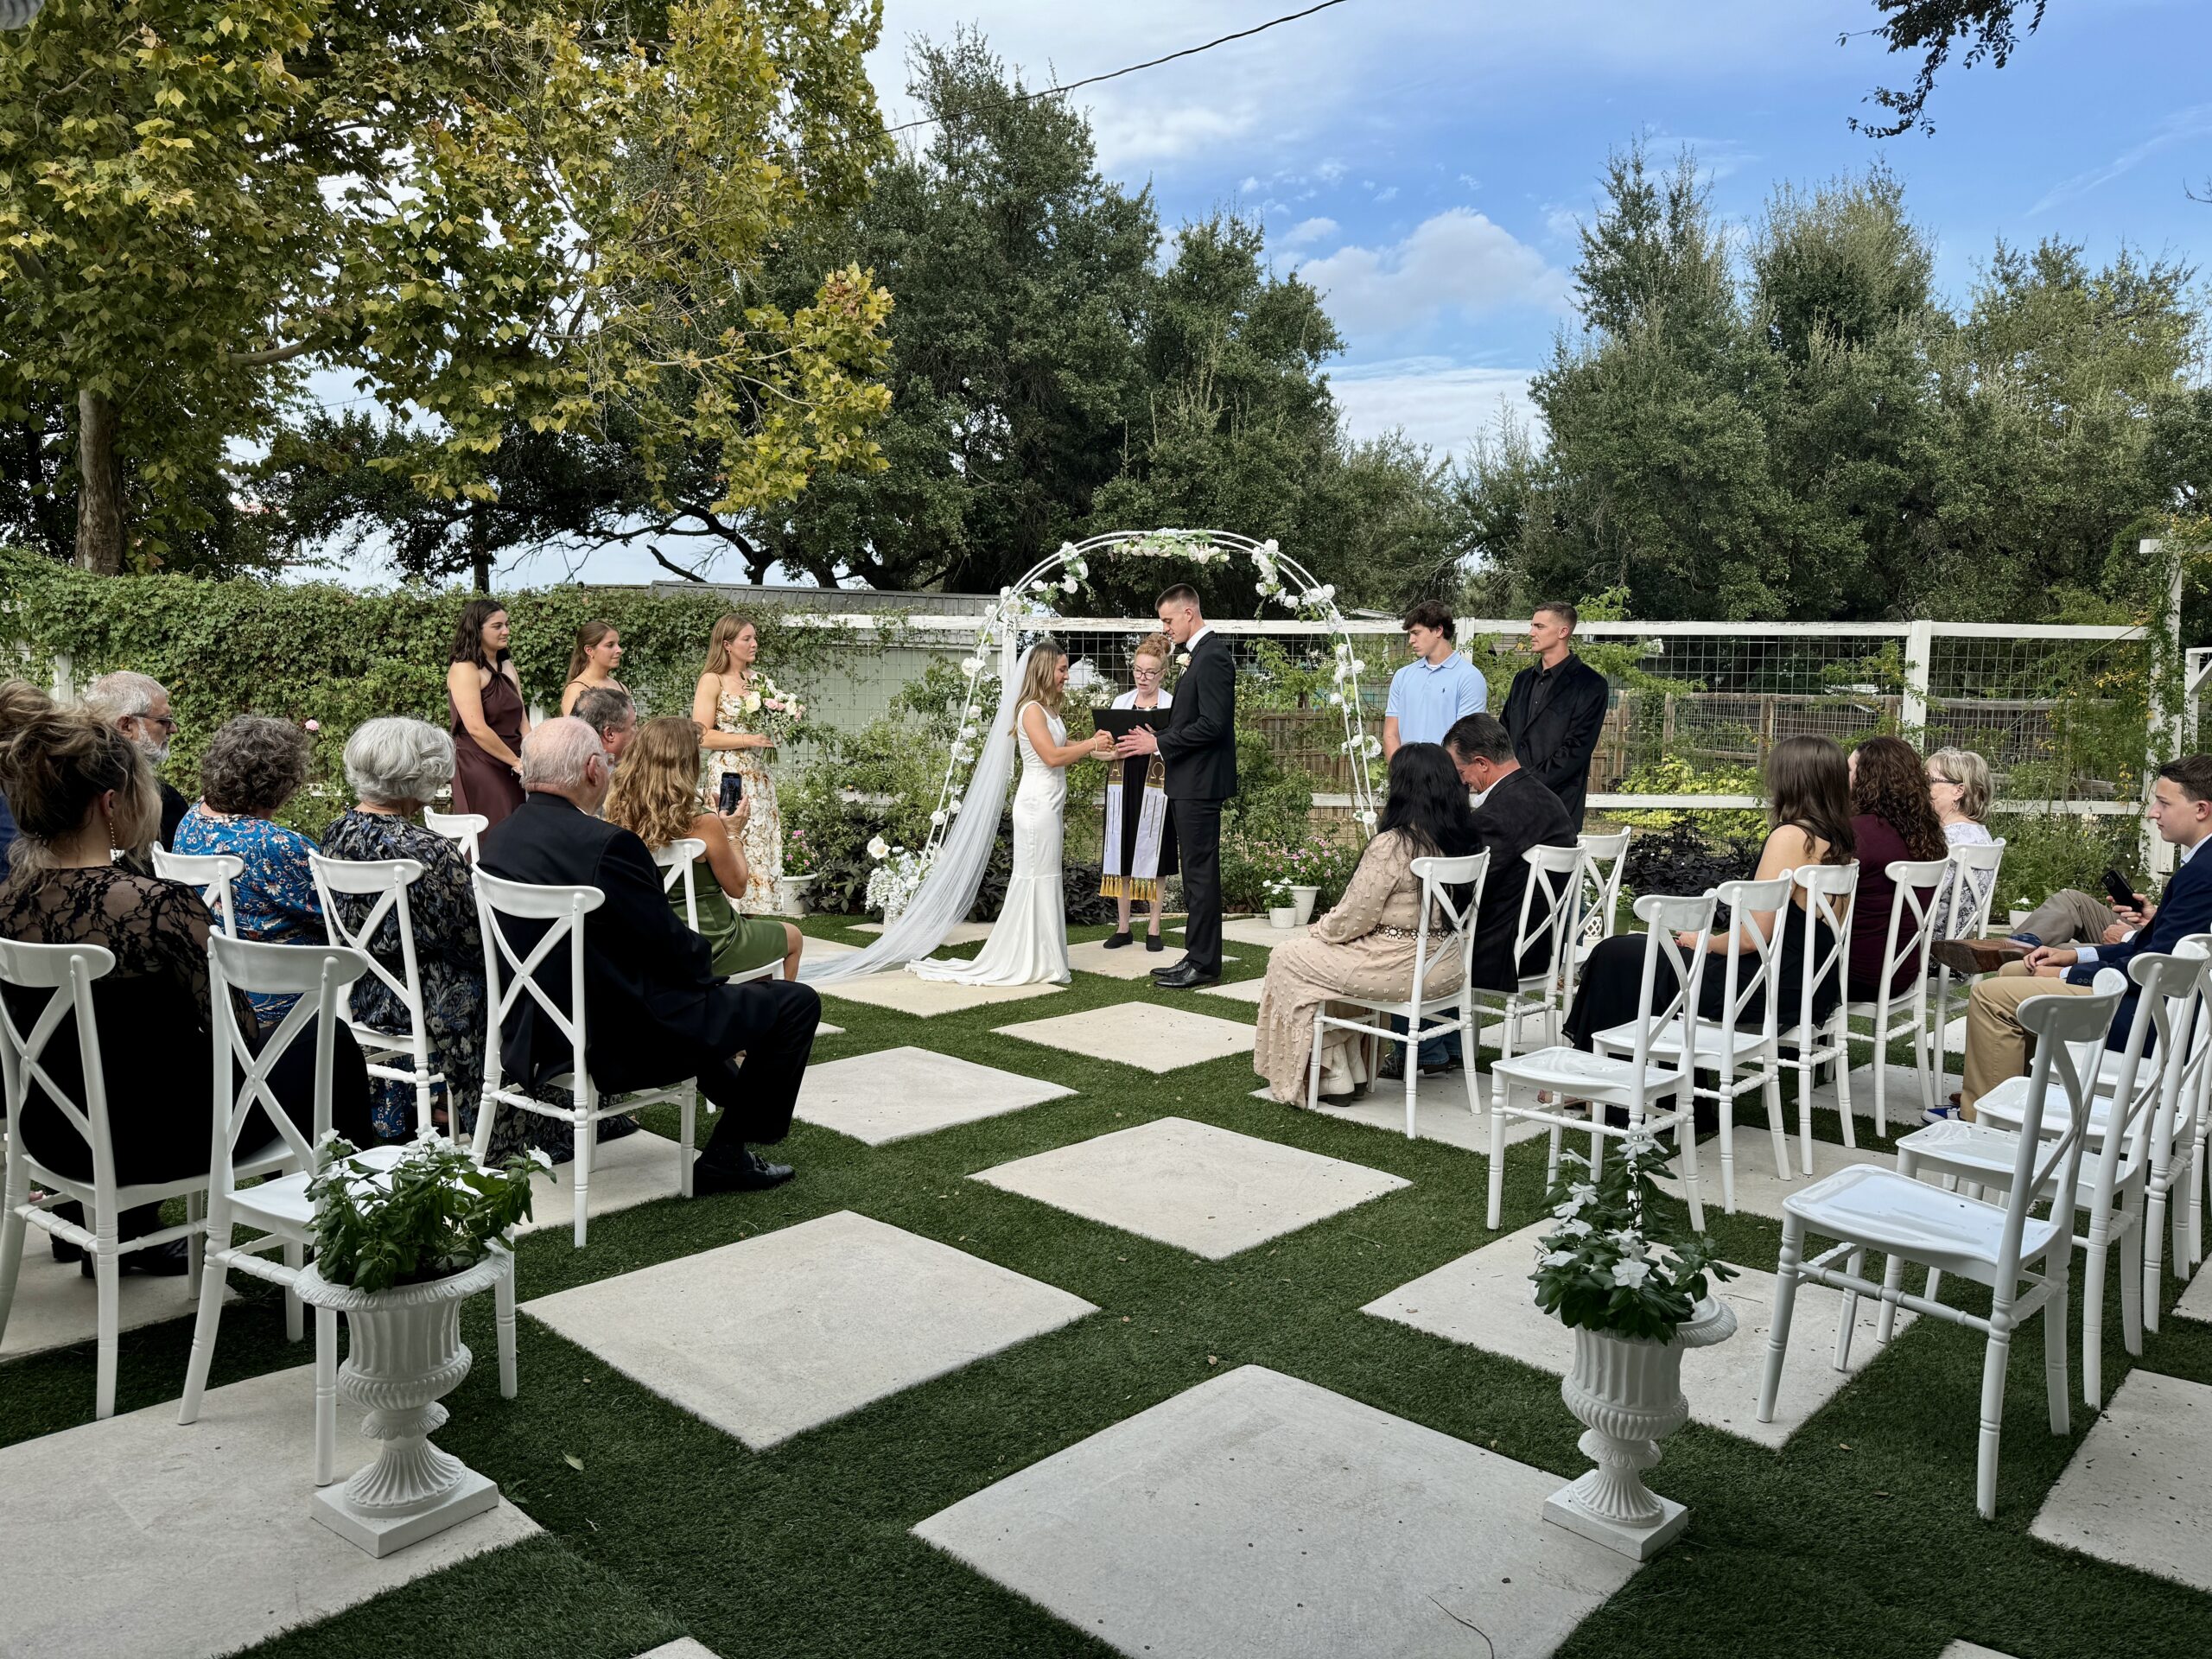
(1555, 709)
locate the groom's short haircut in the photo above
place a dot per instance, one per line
(1181, 594)
(1479, 737)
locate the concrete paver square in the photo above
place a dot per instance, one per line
(1208, 1191)
(817, 949)
(905, 993)
(1760, 1190)
(1257, 1516)
(1485, 1299)
(2196, 1302)
(961, 933)
(637, 1169)
(1439, 1114)
(892, 1093)
(769, 1337)
(1130, 961)
(1159, 1040)
(684, 1647)
(2138, 1490)
(823, 1028)
(1243, 990)
(138, 1539)
(1244, 930)
(1971, 1651)
(55, 1305)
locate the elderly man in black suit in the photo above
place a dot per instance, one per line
(657, 1010)
(1199, 747)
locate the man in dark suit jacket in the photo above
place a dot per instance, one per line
(1199, 747)
(1997, 1048)
(657, 1011)
(1556, 709)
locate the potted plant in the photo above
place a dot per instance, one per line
(1283, 909)
(801, 865)
(1634, 1288)
(398, 1248)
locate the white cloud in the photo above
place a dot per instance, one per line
(1391, 194)
(1458, 262)
(1433, 402)
(1310, 229)
(2174, 129)
(1330, 171)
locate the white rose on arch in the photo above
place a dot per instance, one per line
(938, 818)
(878, 850)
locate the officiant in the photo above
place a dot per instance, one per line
(1140, 838)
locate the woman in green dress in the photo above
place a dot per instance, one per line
(656, 796)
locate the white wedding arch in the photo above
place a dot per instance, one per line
(1027, 608)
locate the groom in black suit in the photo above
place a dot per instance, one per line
(1199, 748)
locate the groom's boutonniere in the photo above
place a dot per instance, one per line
(1183, 661)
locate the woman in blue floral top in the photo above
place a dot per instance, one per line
(396, 766)
(252, 767)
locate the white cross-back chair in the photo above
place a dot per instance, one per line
(277, 1209)
(1980, 1155)
(1604, 859)
(462, 827)
(1639, 1083)
(678, 862)
(211, 873)
(1741, 1047)
(1824, 938)
(1550, 915)
(66, 973)
(2024, 1259)
(395, 1056)
(1973, 891)
(1433, 948)
(512, 974)
(1920, 886)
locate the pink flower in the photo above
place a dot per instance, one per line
(315, 725)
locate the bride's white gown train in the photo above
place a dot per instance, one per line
(1029, 942)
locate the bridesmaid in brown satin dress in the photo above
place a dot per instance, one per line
(488, 722)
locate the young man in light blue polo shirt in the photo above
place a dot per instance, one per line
(1436, 689)
(1428, 696)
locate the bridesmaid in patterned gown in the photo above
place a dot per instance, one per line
(726, 707)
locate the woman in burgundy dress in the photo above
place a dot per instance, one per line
(488, 723)
(1894, 820)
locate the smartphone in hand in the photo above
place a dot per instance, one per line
(2117, 891)
(732, 791)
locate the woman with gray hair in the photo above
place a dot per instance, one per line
(1959, 789)
(395, 768)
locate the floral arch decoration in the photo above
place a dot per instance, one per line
(1028, 608)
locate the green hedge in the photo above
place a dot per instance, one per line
(331, 654)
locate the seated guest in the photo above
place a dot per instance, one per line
(1959, 786)
(1365, 947)
(657, 1010)
(1810, 819)
(396, 766)
(1892, 819)
(1517, 813)
(6, 832)
(81, 791)
(608, 711)
(1997, 1046)
(253, 766)
(137, 705)
(655, 796)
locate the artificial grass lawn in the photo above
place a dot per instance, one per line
(1859, 1538)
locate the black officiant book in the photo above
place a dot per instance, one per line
(1123, 721)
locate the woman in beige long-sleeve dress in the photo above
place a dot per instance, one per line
(1365, 947)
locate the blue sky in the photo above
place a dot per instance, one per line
(1425, 162)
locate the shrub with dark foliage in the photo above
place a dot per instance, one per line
(1683, 859)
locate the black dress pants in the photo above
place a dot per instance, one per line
(1197, 830)
(770, 1022)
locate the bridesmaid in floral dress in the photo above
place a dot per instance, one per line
(727, 709)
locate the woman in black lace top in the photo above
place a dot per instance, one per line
(81, 791)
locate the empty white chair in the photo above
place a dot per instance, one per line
(277, 1211)
(66, 974)
(1432, 950)
(2024, 1259)
(1974, 890)
(2174, 1173)
(211, 873)
(510, 973)
(1825, 939)
(1638, 1084)
(388, 880)
(677, 862)
(1604, 858)
(463, 826)
(1740, 1048)
(1550, 914)
(1894, 1014)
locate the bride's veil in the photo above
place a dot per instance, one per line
(941, 903)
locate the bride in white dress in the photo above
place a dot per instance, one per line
(1029, 942)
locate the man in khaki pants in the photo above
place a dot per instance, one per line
(1997, 1048)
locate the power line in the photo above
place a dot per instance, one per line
(1149, 63)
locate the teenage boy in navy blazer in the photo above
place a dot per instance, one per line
(1198, 745)
(1997, 1048)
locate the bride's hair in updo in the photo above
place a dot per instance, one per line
(1040, 683)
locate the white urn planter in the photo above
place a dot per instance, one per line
(794, 888)
(1627, 1392)
(1302, 900)
(405, 1355)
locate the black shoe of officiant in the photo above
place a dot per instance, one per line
(1151, 942)
(1184, 978)
(753, 1173)
(1117, 941)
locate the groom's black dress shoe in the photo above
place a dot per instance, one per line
(1184, 978)
(1172, 969)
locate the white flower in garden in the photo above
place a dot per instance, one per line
(971, 666)
(1340, 673)
(1627, 1241)
(1270, 547)
(1374, 747)
(1575, 1229)
(1336, 699)
(1571, 1207)
(1560, 1259)
(938, 817)
(878, 850)
(1066, 548)
(1327, 590)
(1343, 648)
(1367, 817)
(1067, 584)
(1631, 1273)
(1582, 1191)
(953, 805)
